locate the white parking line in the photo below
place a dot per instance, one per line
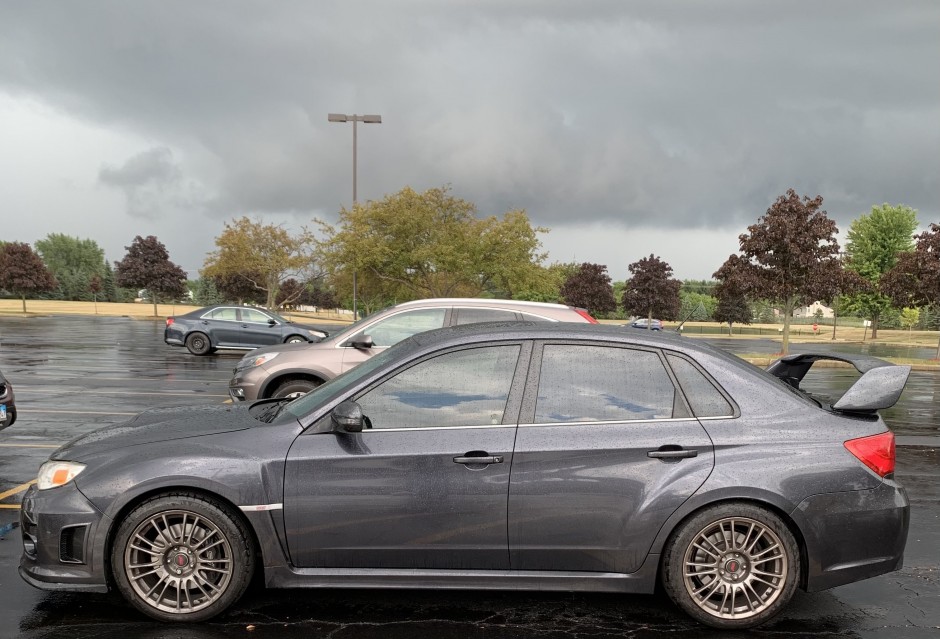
(30, 411)
(22, 391)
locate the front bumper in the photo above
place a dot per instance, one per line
(63, 540)
(245, 386)
(853, 535)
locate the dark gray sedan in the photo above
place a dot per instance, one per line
(235, 327)
(513, 456)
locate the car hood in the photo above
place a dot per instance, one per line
(158, 425)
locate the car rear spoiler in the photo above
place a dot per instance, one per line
(879, 386)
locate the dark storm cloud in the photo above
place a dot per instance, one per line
(662, 114)
(152, 183)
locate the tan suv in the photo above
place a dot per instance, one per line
(290, 370)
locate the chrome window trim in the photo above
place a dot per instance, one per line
(614, 421)
(411, 430)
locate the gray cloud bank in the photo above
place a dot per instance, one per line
(678, 114)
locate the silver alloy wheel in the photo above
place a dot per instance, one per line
(178, 561)
(735, 568)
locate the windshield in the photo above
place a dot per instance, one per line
(306, 404)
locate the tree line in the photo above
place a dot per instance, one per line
(410, 245)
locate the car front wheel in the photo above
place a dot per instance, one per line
(182, 557)
(732, 566)
(294, 388)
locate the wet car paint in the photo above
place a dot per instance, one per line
(65, 391)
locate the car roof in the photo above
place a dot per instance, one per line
(476, 301)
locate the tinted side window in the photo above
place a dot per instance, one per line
(256, 317)
(474, 315)
(704, 398)
(462, 388)
(224, 314)
(390, 331)
(602, 383)
(534, 318)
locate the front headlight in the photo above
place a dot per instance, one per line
(257, 360)
(57, 473)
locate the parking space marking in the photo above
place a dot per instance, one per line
(23, 391)
(18, 489)
(70, 412)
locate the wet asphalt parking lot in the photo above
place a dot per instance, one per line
(74, 374)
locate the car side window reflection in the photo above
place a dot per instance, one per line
(704, 398)
(475, 315)
(394, 329)
(461, 388)
(582, 383)
(253, 316)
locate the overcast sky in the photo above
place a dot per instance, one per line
(628, 128)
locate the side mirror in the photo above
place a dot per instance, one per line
(363, 341)
(272, 322)
(347, 417)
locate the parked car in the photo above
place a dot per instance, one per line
(236, 327)
(644, 323)
(524, 455)
(286, 371)
(7, 407)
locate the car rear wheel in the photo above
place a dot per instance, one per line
(182, 557)
(294, 388)
(198, 344)
(732, 566)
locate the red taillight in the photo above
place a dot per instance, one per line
(876, 452)
(169, 321)
(583, 313)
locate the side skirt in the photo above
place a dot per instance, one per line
(642, 581)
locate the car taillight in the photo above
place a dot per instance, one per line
(583, 313)
(876, 452)
(169, 321)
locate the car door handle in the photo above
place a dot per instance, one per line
(482, 459)
(672, 454)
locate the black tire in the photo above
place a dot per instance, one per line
(198, 344)
(202, 586)
(294, 339)
(743, 566)
(294, 388)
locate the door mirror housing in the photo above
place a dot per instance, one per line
(272, 322)
(347, 417)
(362, 341)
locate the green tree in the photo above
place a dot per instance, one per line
(205, 292)
(696, 307)
(790, 256)
(910, 318)
(651, 291)
(73, 262)
(410, 245)
(874, 242)
(22, 271)
(262, 254)
(589, 287)
(546, 282)
(108, 286)
(147, 265)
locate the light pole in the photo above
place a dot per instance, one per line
(355, 119)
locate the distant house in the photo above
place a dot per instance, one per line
(810, 311)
